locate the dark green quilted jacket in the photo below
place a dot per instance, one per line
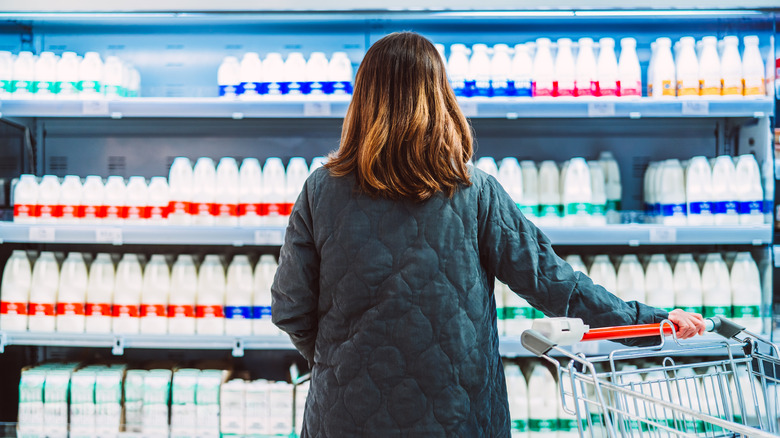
(392, 304)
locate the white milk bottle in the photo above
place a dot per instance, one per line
(273, 73)
(709, 68)
(565, 72)
(607, 67)
(518, 314)
(316, 73)
(458, 68)
(530, 189)
(479, 71)
(511, 178)
(45, 76)
(576, 263)
(746, 292)
(297, 172)
(724, 196)
(154, 296)
(716, 287)
(294, 73)
(749, 191)
(115, 193)
(113, 78)
(629, 71)
(517, 392)
(648, 191)
(100, 294)
(238, 297)
(90, 76)
(250, 77)
(687, 284)
(24, 75)
(180, 185)
(204, 181)
(567, 422)
(210, 299)
(48, 200)
(261, 307)
(44, 285)
(228, 77)
(659, 283)
(753, 70)
(340, 73)
(316, 163)
(92, 199)
(6, 74)
(500, 69)
(687, 69)
(127, 295)
(137, 200)
(544, 69)
(549, 194)
(440, 49)
(72, 295)
(631, 279)
(250, 195)
(602, 272)
(70, 200)
(522, 71)
(26, 199)
(731, 68)
(664, 71)
(598, 194)
(227, 192)
(15, 292)
(181, 301)
(698, 191)
(488, 165)
(577, 195)
(274, 192)
(586, 80)
(542, 413)
(159, 200)
(672, 194)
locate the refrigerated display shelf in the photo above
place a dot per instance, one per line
(336, 107)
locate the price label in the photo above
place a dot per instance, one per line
(269, 237)
(663, 235)
(316, 109)
(469, 109)
(94, 108)
(109, 235)
(41, 234)
(601, 109)
(695, 108)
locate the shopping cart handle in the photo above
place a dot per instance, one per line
(721, 326)
(724, 327)
(536, 342)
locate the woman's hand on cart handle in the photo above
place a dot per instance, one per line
(688, 324)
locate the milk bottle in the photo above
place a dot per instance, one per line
(607, 66)
(181, 301)
(43, 293)
(577, 195)
(631, 279)
(598, 194)
(716, 287)
(15, 292)
(500, 69)
(90, 76)
(274, 193)
(154, 296)
(115, 194)
(564, 69)
(228, 77)
(316, 73)
(250, 76)
(629, 71)
(100, 295)
(488, 165)
(567, 423)
(499, 292)
(511, 178)
(316, 163)
(24, 75)
(26, 200)
(544, 69)
(72, 294)
(752, 69)
(518, 314)
(159, 200)
(46, 75)
(746, 292)
(261, 309)
(749, 191)
(648, 189)
(113, 80)
(724, 196)
(479, 71)
(458, 68)
(440, 50)
(517, 392)
(687, 284)
(137, 200)
(6, 74)
(273, 73)
(709, 68)
(659, 283)
(294, 73)
(238, 297)
(210, 299)
(522, 70)
(70, 200)
(340, 73)
(204, 181)
(698, 191)
(180, 184)
(227, 193)
(731, 68)
(687, 69)
(542, 412)
(576, 263)
(297, 172)
(92, 199)
(586, 79)
(549, 194)
(48, 200)
(602, 272)
(530, 189)
(127, 295)
(672, 193)
(664, 71)
(250, 195)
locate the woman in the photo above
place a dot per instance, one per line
(385, 280)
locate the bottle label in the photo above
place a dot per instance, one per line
(99, 309)
(153, 310)
(563, 89)
(710, 311)
(691, 309)
(261, 312)
(116, 212)
(527, 210)
(247, 88)
(613, 204)
(686, 89)
(754, 87)
(767, 206)
(704, 208)
(41, 309)
(250, 209)
(209, 312)
(136, 212)
(89, 86)
(608, 89)
(567, 424)
(7, 85)
(24, 211)
(731, 88)
(12, 308)
(45, 87)
(224, 210)
(92, 211)
(667, 88)
(342, 87)
(238, 312)
(579, 208)
(70, 308)
(201, 208)
(303, 87)
(519, 313)
(598, 209)
(158, 212)
(499, 87)
(124, 310)
(724, 207)
(67, 88)
(546, 425)
(181, 311)
(501, 313)
(589, 88)
(746, 311)
(668, 210)
(115, 90)
(549, 210)
(228, 90)
(69, 212)
(24, 86)
(45, 211)
(522, 87)
(542, 88)
(709, 88)
(520, 425)
(750, 207)
(628, 89)
(179, 207)
(277, 209)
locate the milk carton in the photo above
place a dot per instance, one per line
(127, 295)
(180, 185)
(232, 403)
(204, 178)
(44, 285)
(238, 297)
(154, 296)
(250, 208)
(134, 399)
(207, 402)
(157, 390)
(183, 407)
(257, 421)
(15, 292)
(31, 420)
(210, 300)
(281, 403)
(72, 294)
(181, 302)
(261, 310)
(227, 193)
(100, 295)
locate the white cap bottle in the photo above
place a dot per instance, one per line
(479, 70)
(68, 75)
(273, 73)
(576, 263)
(159, 200)
(687, 69)
(664, 71)
(565, 71)
(567, 422)
(577, 197)
(709, 68)
(316, 73)
(250, 76)
(517, 392)
(100, 294)
(294, 73)
(542, 414)
(724, 180)
(297, 172)
(228, 188)
(648, 189)
(687, 284)
(753, 70)
(549, 194)
(749, 191)
(250, 193)
(586, 82)
(113, 78)
(44, 285)
(91, 76)
(45, 76)
(629, 71)
(204, 182)
(15, 292)
(511, 178)
(746, 292)
(181, 301)
(6, 74)
(134, 83)
(659, 283)
(488, 165)
(731, 68)
(127, 295)
(530, 189)
(228, 77)
(154, 296)
(115, 194)
(316, 163)
(521, 74)
(26, 199)
(672, 193)
(261, 310)
(210, 300)
(238, 297)
(70, 200)
(72, 295)
(180, 186)
(602, 272)
(631, 279)
(458, 68)
(607, 67)
(500, 69)
(48, 199)
(92, 198)
(518, 314)
(137, 200)
(715, 287)
(698, 191)
(340, 73)
(24, 75)
(274, 192)
(440, 49)
(598, 194)
(544, 69)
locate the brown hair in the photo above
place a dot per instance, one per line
(404, 135)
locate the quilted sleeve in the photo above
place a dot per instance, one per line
(295, 289)
(517, 253)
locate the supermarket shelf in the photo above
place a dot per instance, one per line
(641, 234)
(336, 107)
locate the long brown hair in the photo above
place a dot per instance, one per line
(404, 136)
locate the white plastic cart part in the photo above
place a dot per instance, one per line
(561, 331)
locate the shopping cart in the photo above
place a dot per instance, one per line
(654, 391)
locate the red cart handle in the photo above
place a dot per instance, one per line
(624, 332)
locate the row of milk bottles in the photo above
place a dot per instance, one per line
(530, 69)
(710, 68)
(721, 191)
(273, 75)
(48, 76)
(579, 193)
(131, 298)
